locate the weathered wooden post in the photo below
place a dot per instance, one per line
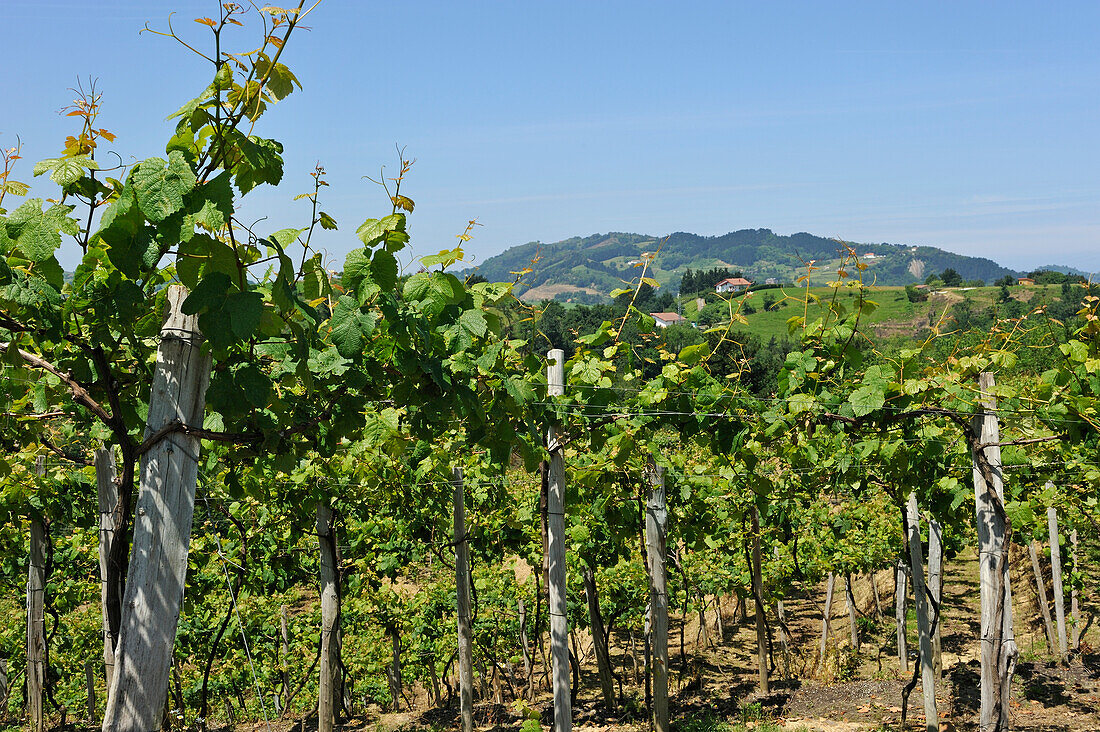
(162, 527)
(1074, 610)
(528, 661)
(874, 593)
(901, 610)
(758, 602)
(784, 640)
(850, 601)
(393, 672)
(284, 655)
(1056, 575)
(920, 602)
(89, 685)
(555, 510)
(1041, 593)
(826, 614)
(330, 614)
(935, 587)
(462, 585)
(599, 639)
(107, 493)
(656, 528)
(36, 616)
(4, 683)
(998, 649)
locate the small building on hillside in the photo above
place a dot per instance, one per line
(870, 255)
(1025, 281)
(771, 281)
(733, 284)
(666, 319)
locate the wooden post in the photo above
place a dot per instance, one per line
(330, 611)
(758, 601)
(702, 636)
(1056, 575)
(36, 617)
(656, 527)
(784, 641)
(850, 600)
(107, 492)
(89, 683)
(3, 684)
(599, 639)
(826, 614)
(1074, 610)
(1041, 593)
(162, 527)
(935, 587)
(284, 654)
(462, 585)
(920, 602)
(394, 673)
(874, 593)
(555, 550)
(528, 662)
(901, 610)
(341, 689)
(998, 643)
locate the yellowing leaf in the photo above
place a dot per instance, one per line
(206, 21)
(14, 187)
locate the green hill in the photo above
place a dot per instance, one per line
(586, 269)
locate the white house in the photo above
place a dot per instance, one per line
(733, 284)
(664, 320)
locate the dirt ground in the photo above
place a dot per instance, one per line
(715, 682)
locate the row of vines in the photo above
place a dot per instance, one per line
(239, 484)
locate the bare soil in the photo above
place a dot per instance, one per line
(717, 679)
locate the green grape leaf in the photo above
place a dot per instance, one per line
(350, 327)
(160, 186)
(383, 269)
(214, 202)
(866, 399)
(245, 310)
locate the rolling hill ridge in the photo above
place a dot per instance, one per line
(586, 269)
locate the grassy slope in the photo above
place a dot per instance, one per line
(895, 315)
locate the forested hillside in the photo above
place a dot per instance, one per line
(585, 269)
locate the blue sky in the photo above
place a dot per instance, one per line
(969, 126)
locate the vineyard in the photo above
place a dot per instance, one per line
(245, 485)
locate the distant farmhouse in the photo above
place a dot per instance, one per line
(1025, 281)
(666, 319)
(733, 284)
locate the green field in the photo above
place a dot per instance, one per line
(894, 316)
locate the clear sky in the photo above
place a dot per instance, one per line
(969, 126)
